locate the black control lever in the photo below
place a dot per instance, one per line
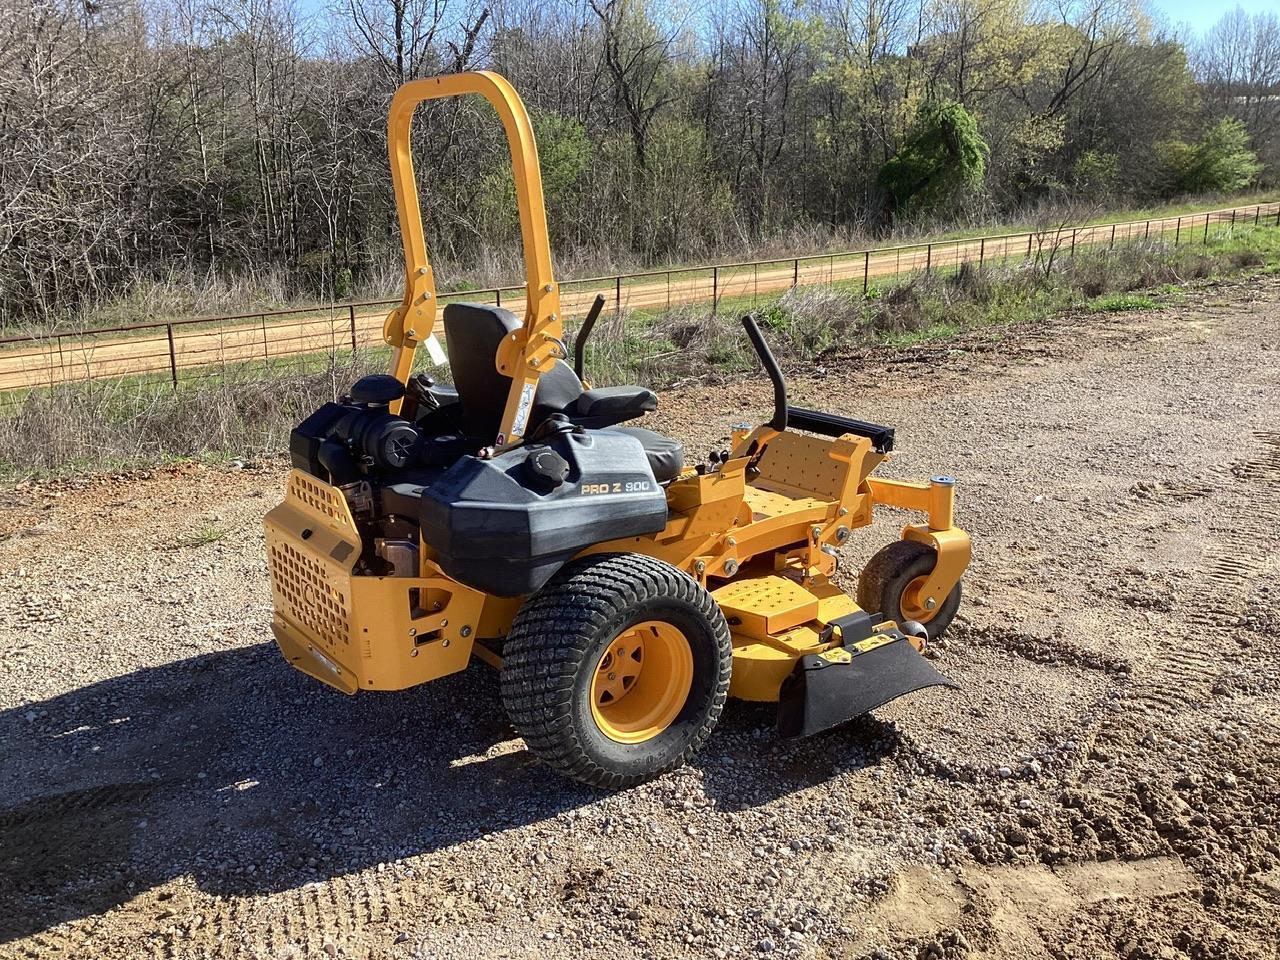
(770, 364)
(585, 331)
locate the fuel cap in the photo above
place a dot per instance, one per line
(547, 466)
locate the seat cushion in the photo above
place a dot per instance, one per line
(604, 406)
(665, 456)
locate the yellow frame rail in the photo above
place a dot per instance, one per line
(530, 352)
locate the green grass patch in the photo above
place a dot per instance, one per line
(206, 535)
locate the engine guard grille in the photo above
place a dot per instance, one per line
(305, 596)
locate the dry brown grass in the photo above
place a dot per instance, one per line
(107, 425)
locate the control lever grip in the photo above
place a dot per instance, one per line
(588, 322)
(770, 364)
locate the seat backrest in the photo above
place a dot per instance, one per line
(472, 333)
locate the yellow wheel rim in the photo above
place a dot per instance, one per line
(641, 682)
(912, 604)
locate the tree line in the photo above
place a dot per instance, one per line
(138, 137)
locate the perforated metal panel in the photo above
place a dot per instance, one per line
(304, 595)
(765, 504)
(801, 466)
(766, 605)
(321, 498)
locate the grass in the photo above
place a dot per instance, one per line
(809, 323)
(1119, 302)
(206, 535)
(247, 410)
(118, 424)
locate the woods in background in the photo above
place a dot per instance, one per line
(224, 138)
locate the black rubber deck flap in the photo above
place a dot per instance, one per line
(825, 690)
(831, 425)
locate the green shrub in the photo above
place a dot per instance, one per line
(1220, 162)
(942, 160)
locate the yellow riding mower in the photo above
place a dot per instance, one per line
(621, 593)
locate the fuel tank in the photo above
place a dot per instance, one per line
(505, 525)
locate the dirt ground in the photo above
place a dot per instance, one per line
(1103, 784)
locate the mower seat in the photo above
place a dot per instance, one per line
(473, 332)
(665, 456)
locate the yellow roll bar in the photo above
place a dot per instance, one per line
(534, 349)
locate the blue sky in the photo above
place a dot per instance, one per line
(1199, 15)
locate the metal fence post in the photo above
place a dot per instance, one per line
(1177, 234)
(351, 314)
(1028, 246)
(1233, 221)
(715, 289)
(617, 293)
(928, 258)
(1073, 241)
(866, 270)
(173, 357)
(1257, 212)
(982, 252)
(1206, 228)
(1113, 237)
(1147, 235)
(795, 273)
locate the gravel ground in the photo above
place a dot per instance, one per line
(1102, 785)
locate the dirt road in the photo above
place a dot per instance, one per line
(1104, 784)
(185, 347)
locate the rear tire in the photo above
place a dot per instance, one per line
(617, 670)
(886, 584)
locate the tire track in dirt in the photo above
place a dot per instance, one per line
(345, 910)
(1183, 674)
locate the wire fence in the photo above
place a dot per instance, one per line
(165, 355)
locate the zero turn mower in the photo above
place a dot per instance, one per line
(621, 593)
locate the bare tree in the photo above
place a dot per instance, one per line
(1239, 64)
(637, 54)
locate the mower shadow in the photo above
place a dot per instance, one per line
(234, 769)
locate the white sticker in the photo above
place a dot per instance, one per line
(435, 351)
(522, 411)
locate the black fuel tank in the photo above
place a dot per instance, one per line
(506, 525)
